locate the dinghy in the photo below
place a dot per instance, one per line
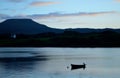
(76, 66)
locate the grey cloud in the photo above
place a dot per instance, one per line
(4, 16)
(55, 15)
(15, 1)
(117, 0)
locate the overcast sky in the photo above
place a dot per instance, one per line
(64, 13)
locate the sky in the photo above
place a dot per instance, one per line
(64, 13)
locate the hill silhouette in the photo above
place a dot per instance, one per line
(31, 34)
(24, 26)
(28, 26)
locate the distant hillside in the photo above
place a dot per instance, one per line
(27, 33)
(90, 30)
(24, 26)
(28, 26)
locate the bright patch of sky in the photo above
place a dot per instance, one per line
(65, 13)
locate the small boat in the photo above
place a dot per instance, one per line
(74, 66)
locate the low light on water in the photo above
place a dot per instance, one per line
(101, 63)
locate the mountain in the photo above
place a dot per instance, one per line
(25, 26)
(28, 26)
(90, 30)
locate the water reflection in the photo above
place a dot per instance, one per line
(21, 69)
(53, 62)
(7, 56)
(18, 66)
(27, 63)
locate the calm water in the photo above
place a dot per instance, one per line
(101, 63)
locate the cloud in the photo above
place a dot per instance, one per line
(56, 15)
(117, 0)
(68, 20)
(4, 16)
(98, 13)
(42, 3)
(16, 1)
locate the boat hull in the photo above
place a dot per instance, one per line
(73, 66)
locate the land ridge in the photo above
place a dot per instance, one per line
(27, 33)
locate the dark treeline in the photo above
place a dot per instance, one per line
(67, 39)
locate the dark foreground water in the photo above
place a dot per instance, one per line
(55, 63)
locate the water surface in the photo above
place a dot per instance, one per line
(101, 63)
